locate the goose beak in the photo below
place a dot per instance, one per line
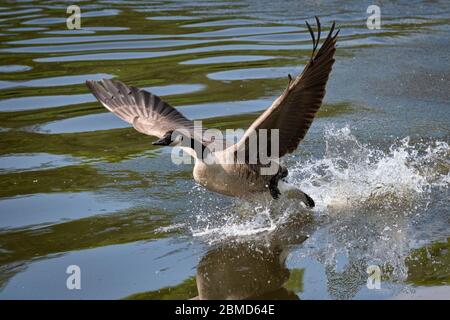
(164, 141)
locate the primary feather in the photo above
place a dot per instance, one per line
(293, 112)
(147, 112)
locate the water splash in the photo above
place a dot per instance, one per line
(367, 203)
(350, 177)
(354, 175)
(372, 201)
(237, 219)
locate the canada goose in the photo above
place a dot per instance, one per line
(290, 115)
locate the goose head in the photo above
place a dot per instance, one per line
(170, 138)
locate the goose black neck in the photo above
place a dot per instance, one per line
(199, 148)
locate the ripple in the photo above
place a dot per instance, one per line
(87, 123)
(105, 28)
(101, 13)
(161, 262)
(27, 29)
(171, 18)
(158, 10)
(29, 16)
(34, 161)
(145, 55)
(278, 37)
(227, 108)
(17, 12)
(41, 102)
(242, 31)
(45, 21)
(108, 121)
(55, 81)
(228, 59)
(81, 39)
(226, 22)
(253, 73)
(38, 209)
(87, 30)
(14, 68)
(218, 33)
(107, 46)
(69, 32)
(88, 14)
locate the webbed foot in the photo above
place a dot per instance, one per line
(274, 191)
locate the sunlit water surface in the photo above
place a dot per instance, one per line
(80, 187)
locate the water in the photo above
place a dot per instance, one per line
(80, 187)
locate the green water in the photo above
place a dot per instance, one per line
(80, 187)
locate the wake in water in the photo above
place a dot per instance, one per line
(350, 178)
(352, 175)
(375, 204)
(369, 204)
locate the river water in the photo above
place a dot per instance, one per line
(80, 187)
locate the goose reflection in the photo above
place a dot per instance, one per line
(250, 269)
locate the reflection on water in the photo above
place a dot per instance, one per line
(246, 268)
(78, 186)
(253, 269)
(243, 272)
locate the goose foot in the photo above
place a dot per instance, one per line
(273, 184)
(293, 192)
(309, 201)
(274, 191)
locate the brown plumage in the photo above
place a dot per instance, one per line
(145, 111)
(292, 114)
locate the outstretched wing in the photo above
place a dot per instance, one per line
(145, 111)
(293, 112)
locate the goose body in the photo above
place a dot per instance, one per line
(229, 179)
(290, 116)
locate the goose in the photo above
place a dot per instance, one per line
(290, 115)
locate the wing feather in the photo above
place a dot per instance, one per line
(147, 112)
(293, 112)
